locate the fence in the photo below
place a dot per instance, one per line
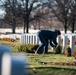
(32, 39)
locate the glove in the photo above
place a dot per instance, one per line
(55, 46)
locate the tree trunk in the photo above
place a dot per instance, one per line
(24, 24)
(13, 18)
(27, 24)
(65, 25)
(73, 24)
(13, 24)
(24, 28)
(65, 29)
(27, 18)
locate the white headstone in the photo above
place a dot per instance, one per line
(72, 38)
(6, 64)
(65, 41)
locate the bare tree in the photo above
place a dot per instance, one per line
(20, 8)
(73, 14)
(61, 9)
(10, 8)
(26, 12)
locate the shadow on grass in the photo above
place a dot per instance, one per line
(56, 68)
(50, 53)
(52, 71)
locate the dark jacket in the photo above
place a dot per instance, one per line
(50, 35)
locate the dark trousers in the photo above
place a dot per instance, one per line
(44, 43)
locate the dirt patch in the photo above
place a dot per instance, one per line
(59, 63)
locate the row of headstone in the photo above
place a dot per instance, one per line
(10, 64)
(32, 39)
(29, 39)
(65, 42)
(14, 36)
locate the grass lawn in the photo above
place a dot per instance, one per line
(40, 64)
(44, 64)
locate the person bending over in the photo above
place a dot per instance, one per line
(45, 36)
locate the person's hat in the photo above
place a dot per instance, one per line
(58, 32)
